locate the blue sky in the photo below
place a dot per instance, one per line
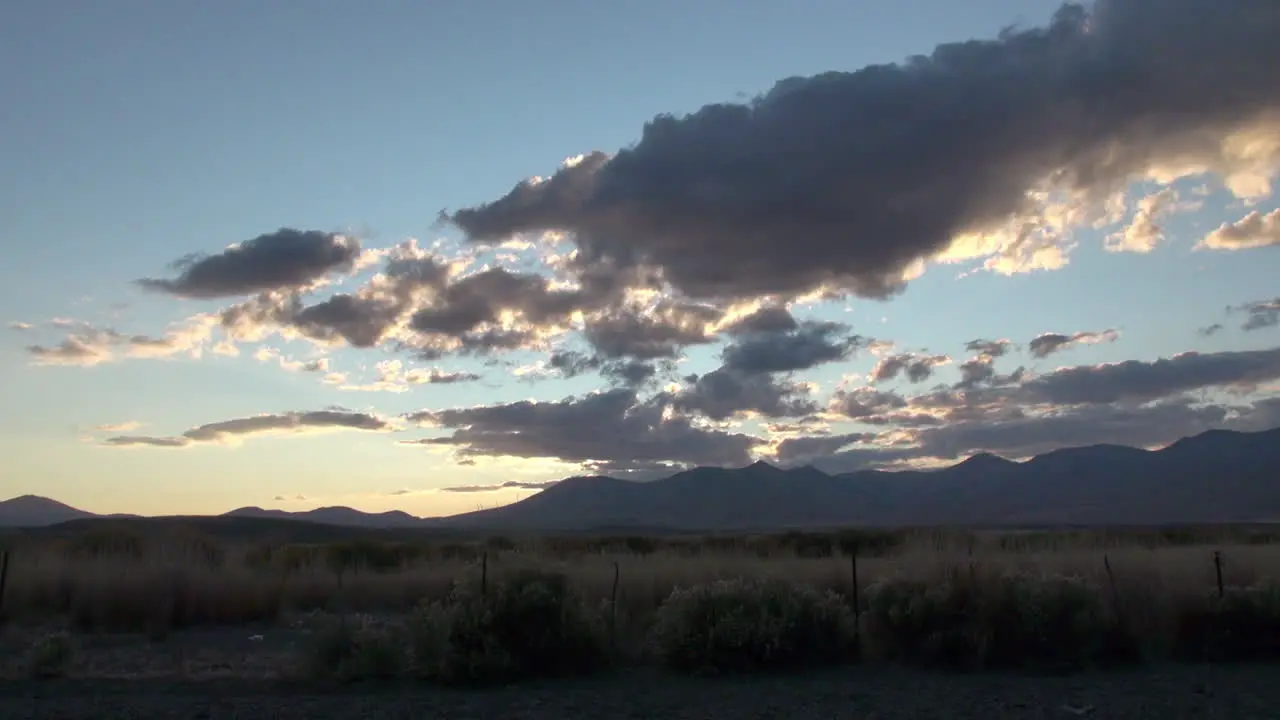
(138, 133)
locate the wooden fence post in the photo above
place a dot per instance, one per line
(1217, 567)
(4, 579)
(613, 607)
(853, 571)
(1115, 590)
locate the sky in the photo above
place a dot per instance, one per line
(435, 256)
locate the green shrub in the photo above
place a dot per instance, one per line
(527, 625)
(745, 624)
(974, 619)
(355, 650)
(51, 656)
(1243, 625)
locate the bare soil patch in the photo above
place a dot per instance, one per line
(1170, 693)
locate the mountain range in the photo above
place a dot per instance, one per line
(1219, 476)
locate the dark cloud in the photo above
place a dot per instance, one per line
(632, 373)
(612, 426)
(366, 317)
(989, 348)
(801, 449)
(768, 319)
(916, 368)
(981, 369)
(848, 179)
(571, 363)
(229, 430)
(725, 392)
(1260, 314)
(508, 485)
(629, 373)
(284, 259)
(865, 402)
(468, 303)
(1142, 381)
(1025, 435)
(1210, 330)
(635, 471)
(809, 344)
(659, 332)
(865, 458)
(1046, 344)
(146, 441)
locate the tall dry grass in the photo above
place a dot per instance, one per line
(1155, 590)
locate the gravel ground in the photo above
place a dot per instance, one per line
(1209, 693)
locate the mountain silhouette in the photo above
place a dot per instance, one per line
(34, 511)
(1215, 477)
(1218, 476)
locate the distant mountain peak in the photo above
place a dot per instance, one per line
(985, 460)
(1185, 482)
(34, 501)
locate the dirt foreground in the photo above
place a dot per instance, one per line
(1170, 693)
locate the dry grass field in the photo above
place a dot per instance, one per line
(134, 598)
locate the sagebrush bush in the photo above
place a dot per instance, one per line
(355, 649)
(51, 656)
(743, 625)
(527, 625)
(1242, 625)
(975, 619)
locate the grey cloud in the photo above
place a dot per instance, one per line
(847, 179)
(467, 303)
(1142, 381)
(866, 402)
(865, 458)
(20, 326)
(508, 485)
(362, 322)
(630, 373)
(1142, 426)
(364, 318)
(571, 363)
(612, 426)
(916, 368)
(801, 449)
(90, 346)
(1261, 314)
(980, 369)
(1210, 330)
(239, 427)
(1254, 230)
(284, 259)
(976, 371)
(147, 441)
(635, 471)
(659, 332)
(78, 350)
(769, 319)
(1046, 344)
(725, 392)
(989, 348)
(808, 345)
